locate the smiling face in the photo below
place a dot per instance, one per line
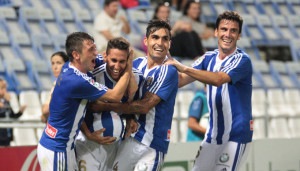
(56, 64)
(116, 61)
(228, 34)
(87, 56)
(158, 44)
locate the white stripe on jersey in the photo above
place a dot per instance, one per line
(162, 76)
(233, 65)
(79, 114)
(149, 125)
(226, 110)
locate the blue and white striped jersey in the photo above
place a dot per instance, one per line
(155, 127)
(109, 120)
(230, 104)
(72, 91)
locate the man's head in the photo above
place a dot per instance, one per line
(157, 40)
(111, 7)
(116, 57)
(81, 50)
(228, 31)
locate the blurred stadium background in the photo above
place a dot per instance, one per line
(31, 30)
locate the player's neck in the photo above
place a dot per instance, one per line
(152, 62)
(77, 66)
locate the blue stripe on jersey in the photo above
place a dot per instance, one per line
(211, 118)
(236, 156)
(220, 115)
(55, 161)
(108, 124)
(142, 122)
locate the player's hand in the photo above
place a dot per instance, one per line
(131, 127)
(174, 62)
(129, 61)
(96, 137)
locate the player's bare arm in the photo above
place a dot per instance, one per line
(135, 107)
(116, 94)
(189, 74)
(96, 136)
(193, 124)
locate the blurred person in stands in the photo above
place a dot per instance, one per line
(146, 148)
(73, 89)
(58, 59)
(6, 134)
(191, 14)
(185, 42)
(227, 71)
(91, 155)
(110, 24)
(198, 117)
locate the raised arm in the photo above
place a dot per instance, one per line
(189, 74)
(135, 107)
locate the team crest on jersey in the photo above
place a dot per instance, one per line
(224, 158)
(149, 81)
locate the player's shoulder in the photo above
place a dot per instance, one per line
(99, 70)
(137, 72)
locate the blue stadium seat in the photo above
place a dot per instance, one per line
(66, 18)
(263, 73)
(59, 41)
(208, 12)
(24, 47)
(52, 25)
(138, 19)
(294, 21)
(295, 5)
(245, 44)
(5, 75)
(86, 18)
(76, 5)
(287, 81)
(280, 21)
(29, 16)
(95, 4)
(252, 29)
(55, 4)
(246, 7)
(7, 50)
(294, 69)
(43, 74)
(10, 20)
(44, 44)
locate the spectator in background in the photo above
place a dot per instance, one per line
(198, 117)
(185, 42)
(6, 134)
(58, 59)
(191, 14)
(111, 24)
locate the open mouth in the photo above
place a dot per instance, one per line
(158, 49)
(94, 61)
(116, 71)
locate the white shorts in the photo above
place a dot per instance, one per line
(133, 155)
(52, 160)
(228, 156)
(93, 156)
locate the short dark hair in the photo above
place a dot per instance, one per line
(107, 2)
(230, 15)
(74, 42)
(118, 43)
(62, 54)
(155, 25)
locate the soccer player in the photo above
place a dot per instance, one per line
(228, 73)
(91, 155)
(145, 149)
(74, 87)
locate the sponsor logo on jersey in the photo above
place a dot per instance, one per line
(51, 131)
(224, 158)
(149, 81)
(251, 125)
(198, 61)
(169, 134)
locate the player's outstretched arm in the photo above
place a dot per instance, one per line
(96, 136)
(116, 94)
(135, 107)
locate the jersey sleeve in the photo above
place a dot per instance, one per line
(166, 79)
(87, 88)
(202, 62)
(239, 68)
(99, 60)
(195, 108)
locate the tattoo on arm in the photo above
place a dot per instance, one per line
(144, 105)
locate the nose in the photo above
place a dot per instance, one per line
(117, 65)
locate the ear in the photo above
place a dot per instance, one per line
(105, 57)
(216, 32)
(145, 41)
(75, 55)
